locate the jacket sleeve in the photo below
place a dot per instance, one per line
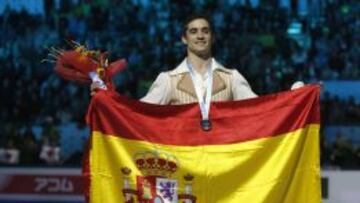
(240, 87)
(160, 90)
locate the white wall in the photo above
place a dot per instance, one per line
(343, 186)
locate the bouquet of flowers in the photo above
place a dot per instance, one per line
(85, 66)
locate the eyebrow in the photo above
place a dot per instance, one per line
(202, 28)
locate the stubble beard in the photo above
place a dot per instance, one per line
(204, 54)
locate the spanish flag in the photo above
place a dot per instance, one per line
(261, 150)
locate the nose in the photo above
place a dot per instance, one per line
(200, 35)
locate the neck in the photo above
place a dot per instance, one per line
(199, 63)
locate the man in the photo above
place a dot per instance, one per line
(198, 73)
(199, 78)
(179, 87)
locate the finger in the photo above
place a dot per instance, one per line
(94, 91)
(94, 85)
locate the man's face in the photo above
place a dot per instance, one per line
(198, 37)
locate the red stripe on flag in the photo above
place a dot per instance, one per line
(232, 122)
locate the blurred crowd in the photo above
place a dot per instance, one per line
(255, 39)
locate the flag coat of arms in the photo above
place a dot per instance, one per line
(261, 150)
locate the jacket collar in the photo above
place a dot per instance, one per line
(182, 67)
(185, 84)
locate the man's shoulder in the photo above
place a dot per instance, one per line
(220, 68)
(225, 70)
(180, 69)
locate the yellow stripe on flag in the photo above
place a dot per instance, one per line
(278, 169)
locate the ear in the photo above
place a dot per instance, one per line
(183, 39)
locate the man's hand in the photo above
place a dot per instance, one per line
(297, 85)
(94, 87)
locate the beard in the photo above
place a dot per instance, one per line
(203, 53)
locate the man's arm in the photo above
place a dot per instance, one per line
(240, 87)
(160, 90)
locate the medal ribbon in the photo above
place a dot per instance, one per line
(204, 104)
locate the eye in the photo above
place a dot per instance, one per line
(206, 30)
(192, 30)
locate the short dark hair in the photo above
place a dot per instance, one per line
(194, 17)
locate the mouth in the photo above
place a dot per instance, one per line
(201, 43)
